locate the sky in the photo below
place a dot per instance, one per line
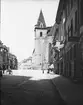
(18, 18)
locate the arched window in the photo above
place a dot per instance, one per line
(40, 34)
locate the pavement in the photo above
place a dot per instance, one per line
(29, 88)
(71, 92)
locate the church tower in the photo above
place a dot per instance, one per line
(40, 33)
(40, 54)
(41, 22)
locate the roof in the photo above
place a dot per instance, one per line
(41, 20)
(60, 9)
(3, 46)
(46, 28)
(52, 30)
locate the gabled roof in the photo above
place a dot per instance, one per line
(41, 21)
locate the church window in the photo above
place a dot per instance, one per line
(40, 34)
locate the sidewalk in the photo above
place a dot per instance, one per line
(71, 92)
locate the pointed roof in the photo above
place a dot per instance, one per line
(41, 22)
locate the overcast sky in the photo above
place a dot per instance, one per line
(18, 18)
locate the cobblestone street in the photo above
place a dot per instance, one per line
(25, 87)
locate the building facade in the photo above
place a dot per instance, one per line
(7, 60)
(12, 61)
(3, 56)
(70, 33)
(26, 64)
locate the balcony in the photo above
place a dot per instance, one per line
(73, 39)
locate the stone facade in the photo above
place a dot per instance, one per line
(26, 64)
(70, 34)
(7, 59)
(3, 56)
(42, 40)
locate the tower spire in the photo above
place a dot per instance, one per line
(41, 22)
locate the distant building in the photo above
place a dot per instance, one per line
(3, 56)
(13, 62)
(6, 58)
(26, 64)
(40, 56)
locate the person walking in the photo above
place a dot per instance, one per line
(50, 68)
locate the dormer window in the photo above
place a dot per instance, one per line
(41, 25)
(40, 34)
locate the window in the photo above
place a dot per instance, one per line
(67, 10)
(76, 21)
(67, 56)
(68, 7)
(71, 54)
(40, 34)
(72, 4)
(81, 12)
(72, 27)
(48, 31)
(74, 51)
(41, 25)
(74, 65)
(68, 31)
(69, 68)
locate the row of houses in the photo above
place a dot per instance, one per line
(67, 44)
(26, 64)
(7, 60)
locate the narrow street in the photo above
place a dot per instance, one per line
(29, 89)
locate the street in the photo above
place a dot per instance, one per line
(29, 87)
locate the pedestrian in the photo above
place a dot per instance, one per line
(43, 71)
(10, 71)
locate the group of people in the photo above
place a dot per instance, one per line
(9, 71)
(50, 68)
(3, 71)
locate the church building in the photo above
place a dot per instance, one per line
(40, 56)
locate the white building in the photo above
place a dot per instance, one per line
(40, 56)
(26, 64)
